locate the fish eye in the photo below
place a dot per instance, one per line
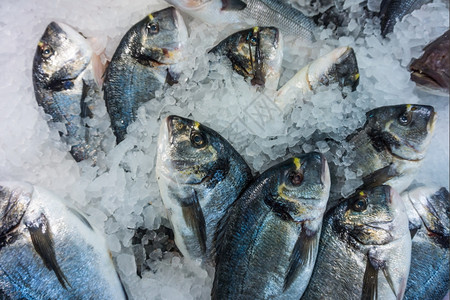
(296, 178)
(404, 119)
(360, 204)
(254, 40)
(47, 51)
(153, 28)
(198, 140)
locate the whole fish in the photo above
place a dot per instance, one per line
(428, 212)
(144, 60)
(63, 77)
(431, 71)
(364, 250)
(268, 240)
(338, 66)
(199, 175)
(392, 11)
(243, 13)
(255, 54)
(48, 250)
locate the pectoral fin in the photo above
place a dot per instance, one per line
(302, 255)
(230, 5)
(380, 176)
(370, 282)
(43, 244)
(193, 215)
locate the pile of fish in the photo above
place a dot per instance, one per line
(283, 233)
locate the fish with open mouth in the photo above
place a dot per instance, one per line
(267, 242)
(144, 60)
(199, 176)
(49, 250)
(364, 250)
(254, 53)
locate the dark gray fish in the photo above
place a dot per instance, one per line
(49, 250)
(428, 211)
(144, 60)
(63, 77)
(392, 11)
(199, 175)
(364, 250)
(244, 13)
(267, 243)
(255, 54)
(431, 71)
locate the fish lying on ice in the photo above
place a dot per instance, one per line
(63, 77)
(245, 13)
(199, 175)
(268, 240)
(364, 250)
(428, 212)
(255, 54)
(144, 60)
(48, 250)
(431, 71)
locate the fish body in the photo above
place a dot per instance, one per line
(141, 64)
(431, 71)
(268, 240)
(364, 250)
(199, 175)
(392, 11)
(48, 250)
(63, 77)
(254, 53)
(243, 13)
(429, 211)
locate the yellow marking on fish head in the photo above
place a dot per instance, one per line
(255, 29)
(297, 163)
(362, 194)
(150, 16)
(408, 107)
(196, 125)
(40, 44)
(356, 76)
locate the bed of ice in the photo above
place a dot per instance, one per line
(120, 193)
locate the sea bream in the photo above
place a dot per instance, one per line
(267, 242)
(63, 77)
(241, 14)
(254, 53)
(365, 249)
(49, 250)
(428, 211)
(144, 60)
(199, 175)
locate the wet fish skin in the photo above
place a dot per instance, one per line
(199, 175)
(48, 250)
(62, 78)
(144, 59)
(254, 53)
(364, 245)
(267, 242)
(431, 71)
(428, 210)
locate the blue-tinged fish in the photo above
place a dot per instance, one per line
(49, 250)
(428, 212)
(144, 60)
(63, 77)
(364, 250)
(268, 240)
(199, 175)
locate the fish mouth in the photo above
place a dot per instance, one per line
(428, 78)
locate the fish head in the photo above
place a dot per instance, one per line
(301, 187)
(404, 130)
(347, 72)
(159, 38)
(374, 216)
(192, 154)
(62, 55)
(14, 200)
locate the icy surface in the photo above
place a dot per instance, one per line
(120, 193)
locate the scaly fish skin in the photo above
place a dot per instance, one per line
(428, 210)
(62, 78)
(144, 59)
(199, 175)
(48, 250)
(364, 250)
(254, 53)
(392, 11)
(267, 242)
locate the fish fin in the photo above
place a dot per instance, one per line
(413, 232)
(380, 176)
(370, 282)
(170, 78)
(193, 215)
(80, 217)
(43, 244)
(302, 255)
(230, 5)
(389, 279)
(85, 110)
